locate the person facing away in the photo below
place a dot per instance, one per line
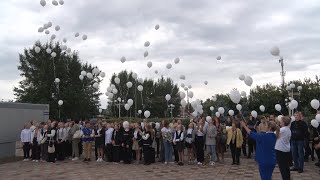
(265, 152)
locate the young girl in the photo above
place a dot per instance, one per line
(189, 142)
(51, 136)
(35, 139)
(235, 141)
(221, 140)
(263, 126)
(26, 140)
(178, 141)
(265, 152)
(211, 133)
(147, 142)
(137, 142)
(99, 141)
(126, 143)
(116, 142)
(108, 142)
(87, 139)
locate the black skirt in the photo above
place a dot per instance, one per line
(189, 145)
(180, 146)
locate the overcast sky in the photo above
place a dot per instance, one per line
(196, 31)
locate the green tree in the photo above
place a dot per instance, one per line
(80, 99)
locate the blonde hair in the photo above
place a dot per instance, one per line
(274, 127)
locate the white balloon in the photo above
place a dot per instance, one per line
(290, 105)
(117, 80)
(40, 29)
(176, 60)
(205, 82)
(57, 28)
(211, 108)
(64, 40)
(115, 91)
(157, 27)
(147, 44)
(292, 86)
(110, 95)
(214, 98)
(183, 77)
(61, 2)
(314, 123)
(134, 75)
(43, 3)
(68, 50)
(54, 2)
(123, 59)
(109, 89)
(189, 86)
(57, 80)
(95, 85)
(157, 125)
(95, 71)
(147, 114)
(45, 26)
(83, 73)
(242, 77)
(49, 24)
(130, 102)
(113, 86)
(89, 76)
(218, 57)
(239, 107)
(292, 118)
(183, 103)
(217, 114)
(64, 47)
(140, 80)
(81, 77)
(129, 85)
(139, 111)
(145, 54)
(182, 85)
(53, 36)
(100, 110)
(254, 114)
(235, 96)
(278, 107)
(169, 66)
(48, 50)
(248, 80)
(190, 94)
(156, 71)
(262, 108)
(84, 37)
(149, 64)
(60, 102)
(168, 97)
(182, 95)
(76, 34)
(294, 104)
(221, 110)
(208, 118)
(102, 74)
(53, 54)
(47, 32)
(315, 104)
(318, 117)
(280, 117)
(195, 113)
(37, 49)
(186, 88)
(127, 107)
(231, 112)
(140, 88)
(275, 51)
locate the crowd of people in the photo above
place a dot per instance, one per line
(272, 140)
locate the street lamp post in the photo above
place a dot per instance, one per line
(119, 103)
(291, 94)
(171, 107)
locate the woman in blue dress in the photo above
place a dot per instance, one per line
(265, 148)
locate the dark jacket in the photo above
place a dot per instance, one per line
(299, 130)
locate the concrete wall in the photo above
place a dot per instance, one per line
(12, 117)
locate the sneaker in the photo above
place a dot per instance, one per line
(294, 169)
(98, 160)
(212, 163)
(34, 160)
(75, 159)
(199, 163)
(89, 159)
(85, 159)
(165, 163)
(37, 160)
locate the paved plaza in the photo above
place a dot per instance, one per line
(68, 169)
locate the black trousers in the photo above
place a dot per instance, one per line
(158, 146)
(147, 154)
(252, 146)
(26, 150)
(127, 154)
(161, 158)
(80, 147)
(116, 153)
(244, 147)
(235, 152)
(153, 155)
(199, 147)
(176, 154)
(68, 148)
(108, 152)
(35, 151)
(283, 163)
(307, 149)
(60, 150)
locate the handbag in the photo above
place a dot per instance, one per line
(51, 147)
(77, 135)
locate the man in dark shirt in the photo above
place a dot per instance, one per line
(299, 131)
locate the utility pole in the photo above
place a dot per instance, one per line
(282, 73)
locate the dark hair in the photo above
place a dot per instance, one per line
(166, 123)
(76, 121)
(42, 123)
(87, 122)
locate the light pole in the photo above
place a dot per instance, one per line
(171, 107)
(290, 88)
(119, 103)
